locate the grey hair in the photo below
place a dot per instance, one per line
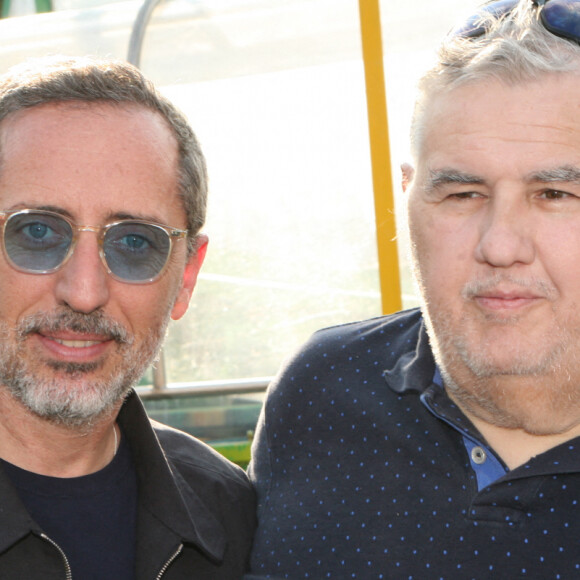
(516, 49)
(90, 80)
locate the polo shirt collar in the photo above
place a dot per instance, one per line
(413, 370)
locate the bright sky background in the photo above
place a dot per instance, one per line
(275, 91)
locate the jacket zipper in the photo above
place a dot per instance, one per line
(64, 558)
(69, 571)
(169, 562)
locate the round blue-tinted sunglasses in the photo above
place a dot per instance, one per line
(560, 17)
(41, 242)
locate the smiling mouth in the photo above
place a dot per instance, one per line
(74, 330)
(76, 343)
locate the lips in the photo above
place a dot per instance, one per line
(73, 347)
(73, 329)
(494, 302)
(509, 293)
(503, 298)
(73, 338)
(67, 336)
(76, 343)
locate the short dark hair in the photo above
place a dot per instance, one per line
(90, 80)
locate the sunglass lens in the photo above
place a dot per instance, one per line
(37, 242)
(475, 25)
(562, 18)
(136, 252)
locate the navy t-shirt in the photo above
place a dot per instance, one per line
(92, 518)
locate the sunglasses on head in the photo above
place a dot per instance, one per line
(41, 242)
(560, 17)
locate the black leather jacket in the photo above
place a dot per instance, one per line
(196, 512)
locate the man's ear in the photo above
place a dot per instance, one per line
(189, 278)
(407, 173)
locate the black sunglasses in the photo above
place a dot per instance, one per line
(560, 17)
(41, 242)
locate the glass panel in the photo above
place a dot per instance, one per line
(101, 30)
(412, 32)
(275, 91)
(277, 99)
(226, 422)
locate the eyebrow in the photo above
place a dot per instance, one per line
(116, 216)
(52, 208)
(130, 216)
(564, 174)
(446, 176)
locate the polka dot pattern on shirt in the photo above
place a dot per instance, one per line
(358, 478)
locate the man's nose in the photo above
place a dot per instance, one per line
(506, 234)
(83, 282)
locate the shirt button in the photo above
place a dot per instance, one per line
(478, 455)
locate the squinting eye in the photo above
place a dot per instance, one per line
(465, 195)
(555, 194)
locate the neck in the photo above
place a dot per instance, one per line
(46, 448)
(515, 446)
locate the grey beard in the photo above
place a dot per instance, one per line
(481, 387)
(74, 400)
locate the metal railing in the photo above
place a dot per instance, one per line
(206, 388)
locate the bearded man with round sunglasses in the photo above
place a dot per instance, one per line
(102, 196)
(444, 442)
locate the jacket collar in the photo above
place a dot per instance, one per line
(15, 522)
(163, 492)
(170, 501)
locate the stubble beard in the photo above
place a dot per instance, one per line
(532, 393)
(73, 394)
(534, 388)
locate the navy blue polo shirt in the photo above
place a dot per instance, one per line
(366, 469)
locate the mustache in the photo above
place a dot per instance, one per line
(65, 319)
(539, 286)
